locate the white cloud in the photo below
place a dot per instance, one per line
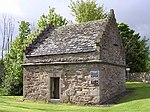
(10, 7)
(144, 29)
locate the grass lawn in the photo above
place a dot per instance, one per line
(137, 101)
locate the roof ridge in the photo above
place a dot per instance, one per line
(49, 31)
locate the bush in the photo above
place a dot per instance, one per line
(3, 92)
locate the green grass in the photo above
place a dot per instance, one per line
(137, 101)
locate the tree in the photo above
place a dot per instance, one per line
(51, 18)
(85, 11)
(7, 25)
(137, 50)
(13, 64)
(14, 70)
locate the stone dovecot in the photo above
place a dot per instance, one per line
(82, 63)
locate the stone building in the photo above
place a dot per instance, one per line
(81, 63)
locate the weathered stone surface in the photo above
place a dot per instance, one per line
(72, 54)
(75, 88)
(73, 91)
(63, 58)
(112, 81)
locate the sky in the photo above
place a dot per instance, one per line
(135, 13)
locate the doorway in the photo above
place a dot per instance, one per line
(54, 87)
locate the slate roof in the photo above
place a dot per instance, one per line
(68, 39)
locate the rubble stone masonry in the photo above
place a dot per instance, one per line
(88, 59)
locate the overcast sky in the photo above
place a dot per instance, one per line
(133, 12)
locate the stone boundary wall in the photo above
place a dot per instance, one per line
(140, 77)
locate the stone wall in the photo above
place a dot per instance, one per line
(111, 46)
(35, 83)
(140, 77)
(75, 82)
(112, 81)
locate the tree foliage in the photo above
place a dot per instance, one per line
(85, 11)
(14, 60)
(52, 18)
(136, 48)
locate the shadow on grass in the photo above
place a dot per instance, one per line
(134, 91)
(138, 91)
